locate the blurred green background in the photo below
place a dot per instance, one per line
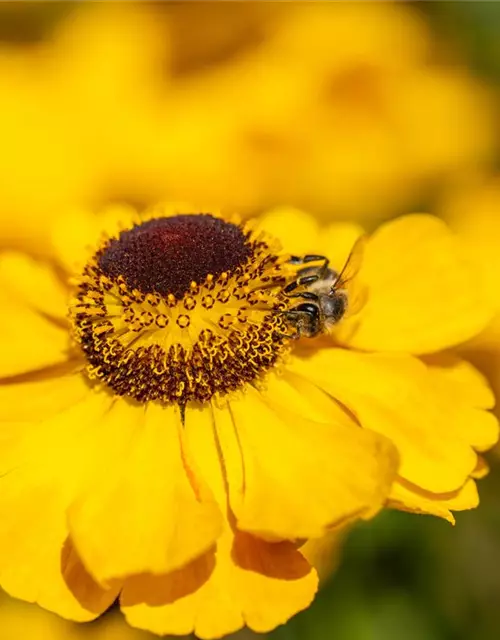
(400, 576)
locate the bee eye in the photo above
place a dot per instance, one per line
(340, 304)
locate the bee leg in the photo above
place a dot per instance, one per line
(290, 287)
(308, 258)
(293, 316)
(302, 281)
(306, 295)
(314, 258)
(324, 267)
(292, 336)
(305, 319)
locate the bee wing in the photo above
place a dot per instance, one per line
(357, 294)
(357, 300)
(352, 265)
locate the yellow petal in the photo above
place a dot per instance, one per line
(201, 453)
(469, 392)
(458, 376)
(248, 582)
(29, 341)
(139, 511)
(423, 295)
(477, 427)
(278, 573)
(298, 232)
(298, 395)
(394, 395)
(482, 469)
(32, 283)
(407, 497)
(296, 475)
(47, 396)
(58, 582)
(40, 468)
(245, 581)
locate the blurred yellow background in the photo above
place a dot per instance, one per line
(350, 110)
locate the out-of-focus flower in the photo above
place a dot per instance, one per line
(63, 106)
(338, 107)
(473, 210)
(178, 441)
(321, 113)
(209, 34)
(41, 171)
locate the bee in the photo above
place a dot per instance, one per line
(323, 293)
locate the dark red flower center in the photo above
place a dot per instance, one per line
(165, 255)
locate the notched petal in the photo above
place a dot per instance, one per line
(293, 477)
(142, 500)
(406, 496)
(246, 582)
(423, 293)
(434, 426)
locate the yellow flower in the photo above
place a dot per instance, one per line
(63, 115)
(302, 103)
(176, 447)
(321, 113)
